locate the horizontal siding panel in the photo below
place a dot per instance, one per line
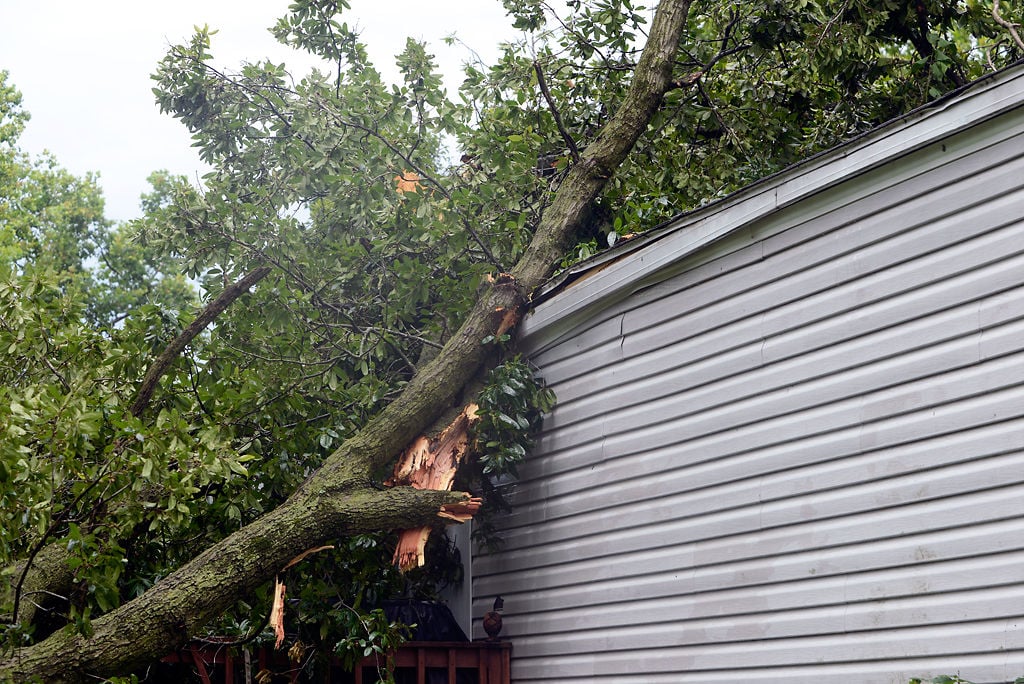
(979, 322)
(594, 342)
(857, 595)
(720, 377)
(935, 640)
(736, 533)
(663, 572)
(842, 285)
(873, 494)
(829, 373)
(728, 430)
(989, 418)
(812, 469)
(953, 608)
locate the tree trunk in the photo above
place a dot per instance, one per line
(337, 500)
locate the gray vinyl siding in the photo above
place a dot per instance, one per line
(795, 455)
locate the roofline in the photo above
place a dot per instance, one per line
(556, 306)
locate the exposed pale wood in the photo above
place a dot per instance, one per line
(277, 613)
(431, 463)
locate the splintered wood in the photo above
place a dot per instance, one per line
(277, 608)
(277, 612)
(463, 511)
(431, 463)
(505, 319)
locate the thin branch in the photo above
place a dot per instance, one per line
(171, 352)
(1010, 26)
(723, 52)
(717, 114)
(574, 151)
(46, 362)
(831, 22)
(583, 40)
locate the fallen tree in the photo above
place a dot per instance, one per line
(338, 499)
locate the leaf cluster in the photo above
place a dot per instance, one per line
(512, 405)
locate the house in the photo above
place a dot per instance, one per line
(789, 443)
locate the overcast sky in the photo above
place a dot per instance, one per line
(84, 66)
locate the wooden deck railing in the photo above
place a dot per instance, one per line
(489, 661)
(416, 662)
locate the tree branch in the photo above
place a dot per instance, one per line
(53, 571)
(574, 151)
(1010, 27)
(584, 182)
(723, 51)
(171, 352)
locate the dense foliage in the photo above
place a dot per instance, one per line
(378, 210)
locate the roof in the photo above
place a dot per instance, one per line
(611, 276)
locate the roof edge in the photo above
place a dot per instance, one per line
(576, 293)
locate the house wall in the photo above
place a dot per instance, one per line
(797, 455)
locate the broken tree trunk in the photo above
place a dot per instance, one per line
(430, 463)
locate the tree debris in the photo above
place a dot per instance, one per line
(277, 612)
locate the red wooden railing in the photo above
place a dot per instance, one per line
(490, 660)
(480, 662)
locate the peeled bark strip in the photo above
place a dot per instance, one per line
(336, 500)
(461, 512)
(277, 612)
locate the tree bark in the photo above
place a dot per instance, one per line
(337, 499)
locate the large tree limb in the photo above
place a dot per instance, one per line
(336, 499)
(186, 601)
(585, 181)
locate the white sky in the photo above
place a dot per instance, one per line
(83, 67)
